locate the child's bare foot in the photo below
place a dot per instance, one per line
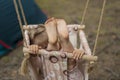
(51, 29)
(64, 35)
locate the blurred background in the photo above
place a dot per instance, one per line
(108, 48)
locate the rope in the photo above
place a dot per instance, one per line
(18, 16)
(99, 26)
(23, 69)
(84, 13)
(22, 11)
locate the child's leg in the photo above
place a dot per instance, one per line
(51, 30)
(64, 35)
(64, 40)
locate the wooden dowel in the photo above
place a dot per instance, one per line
(58, 53)
(70, 25)
(29, 27)
(76, 26)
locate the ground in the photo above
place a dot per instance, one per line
(108, 65)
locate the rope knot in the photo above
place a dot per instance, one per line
(23, 69)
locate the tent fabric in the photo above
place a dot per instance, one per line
(10, 32)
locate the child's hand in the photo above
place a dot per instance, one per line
(34, 48)
(77, 53)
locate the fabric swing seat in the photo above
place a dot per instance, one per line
(54, 63)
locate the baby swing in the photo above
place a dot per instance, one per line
(57, 70)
